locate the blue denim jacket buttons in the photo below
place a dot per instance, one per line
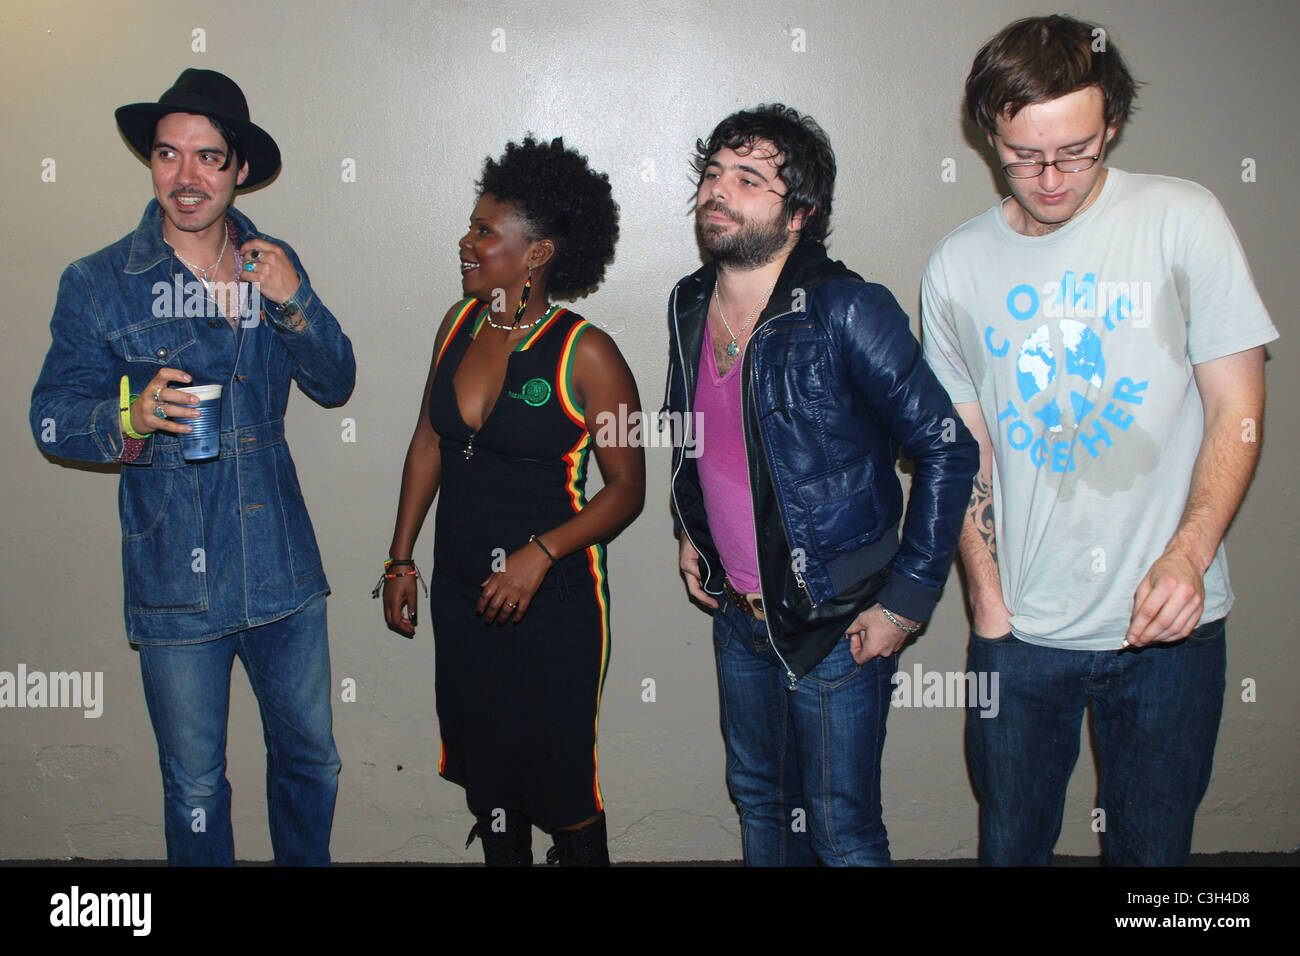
(208, 548)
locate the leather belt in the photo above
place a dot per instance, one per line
(751, 604)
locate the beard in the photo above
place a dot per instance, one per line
(750, 246)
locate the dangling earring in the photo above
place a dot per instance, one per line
(523, 299)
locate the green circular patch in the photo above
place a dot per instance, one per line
(537, 391)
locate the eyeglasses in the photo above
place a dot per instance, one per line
(1070, 164)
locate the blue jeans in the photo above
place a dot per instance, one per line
(803, 766)
(187, 689)
(1155, 715)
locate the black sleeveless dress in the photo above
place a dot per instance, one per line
(517, 703)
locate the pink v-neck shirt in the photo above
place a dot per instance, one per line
(724, 476)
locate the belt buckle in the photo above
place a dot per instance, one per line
(751, 604)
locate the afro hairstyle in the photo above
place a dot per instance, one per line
(561, 198)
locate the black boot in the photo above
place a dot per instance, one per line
(511, 846)
(585, 847)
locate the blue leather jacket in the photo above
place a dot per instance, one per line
(212, 547)
(834, 384)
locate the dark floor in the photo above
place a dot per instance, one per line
(1198, 860)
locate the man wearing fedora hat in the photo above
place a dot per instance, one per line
(219, 556)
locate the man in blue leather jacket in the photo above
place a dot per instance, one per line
(219, 556)
(799, 383)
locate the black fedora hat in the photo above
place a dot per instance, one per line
(207, 93)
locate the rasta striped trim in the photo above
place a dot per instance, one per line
(479, 320)
(596, 561)
(574, 485)
(564, 375)
(456, 323)
(537, 333)
(481, 317)
(575, 473)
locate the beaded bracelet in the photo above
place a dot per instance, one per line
(390, 575)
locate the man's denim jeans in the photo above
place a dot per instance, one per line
(187, 688)
(1155, 715)
(803, 766)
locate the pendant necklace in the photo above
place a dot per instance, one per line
(733, 346)
(203, 273)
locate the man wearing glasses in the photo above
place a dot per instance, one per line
(1100, 334)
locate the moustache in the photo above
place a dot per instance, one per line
(714, 206)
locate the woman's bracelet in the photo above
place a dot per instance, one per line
(545, 550)
(389, 574)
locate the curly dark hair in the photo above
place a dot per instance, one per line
(561, 198)
(807, 164)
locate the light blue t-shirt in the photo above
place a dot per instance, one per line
(1079, 347)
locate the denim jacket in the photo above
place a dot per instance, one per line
(833, 384)
(212, 547)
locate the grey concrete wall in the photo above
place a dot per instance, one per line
(415, 95)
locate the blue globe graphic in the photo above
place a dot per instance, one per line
(1037, 366)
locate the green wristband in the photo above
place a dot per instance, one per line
(125, 398)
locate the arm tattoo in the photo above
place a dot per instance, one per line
(980, 511)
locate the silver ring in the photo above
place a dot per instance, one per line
(513, 606)
(254, 253)
(158, 411)
(157, 395)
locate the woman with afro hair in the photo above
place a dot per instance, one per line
(519, 595)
